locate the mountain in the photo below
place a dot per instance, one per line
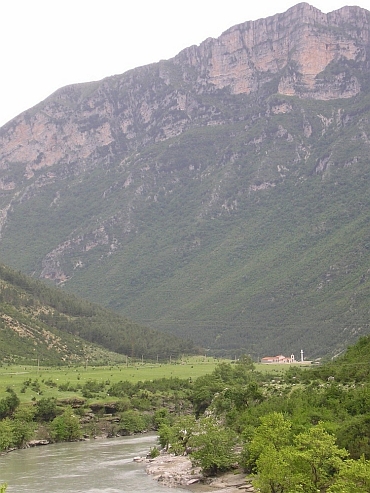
(42, 323)
(221, 195)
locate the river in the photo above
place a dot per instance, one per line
(94, 466)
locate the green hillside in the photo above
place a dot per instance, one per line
(239, 221)
(43, 325)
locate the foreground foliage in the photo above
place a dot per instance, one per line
(302, 432)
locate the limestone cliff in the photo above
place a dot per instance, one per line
(298, 45)
(86, 123)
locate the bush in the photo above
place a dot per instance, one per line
(9, 404)
(154, 452)
(132, 422)
(6, 434)
(66, 427)
(46, 409)
(213, 446)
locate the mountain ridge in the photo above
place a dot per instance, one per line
(170, 195)
(43, 323)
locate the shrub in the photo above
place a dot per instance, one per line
(9, 404)
(154, 452)
(132, 422)
(46, 409)
(66, 427)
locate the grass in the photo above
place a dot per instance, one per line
(44, 377)
(15, 376)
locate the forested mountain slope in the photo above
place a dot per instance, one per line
(41, 324)
(221, 195)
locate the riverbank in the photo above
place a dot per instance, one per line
(178, 471)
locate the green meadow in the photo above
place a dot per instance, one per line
(50, 381)
(65, 382)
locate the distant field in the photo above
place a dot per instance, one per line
(15, 376)
(44, 381)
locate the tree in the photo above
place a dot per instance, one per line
(353, 477)
(274, 432)
(6, 434)
(317, 458)
(66, 427)
(46, 409)
(177, 436)
(308, 462)
(243, 369)
(22, 432)
(354, 435)
(9, 404)
(132, 421)
(205, 388)
(275, 472)
(212, 446)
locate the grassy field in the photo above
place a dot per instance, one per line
(43, 378)
(32, 382)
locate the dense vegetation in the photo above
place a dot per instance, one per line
(301, 431)
(249, 235)
(44, 324)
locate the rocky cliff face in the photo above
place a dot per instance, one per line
(298, 45)
(86, 123)
(132, 171)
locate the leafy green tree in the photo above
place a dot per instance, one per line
(132, 421)
(204, 390)
(224, 372)
(9, 404)
(310, 464)
(177, 437)
(92, 387)
(237, 397)
(161, 416)
(165, 435)
(317, 458)
(353, 477)
(24, 413)
(212, 446)
(22, 432)
(6, 434)
(354, 435)
(275, 472)
(274, 432)
(46, 409)
(66, 427)
(243, 369)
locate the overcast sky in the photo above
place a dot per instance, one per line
(47, 44)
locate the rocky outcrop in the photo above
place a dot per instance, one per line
(297, 45)
(85, 124)
(175, 471)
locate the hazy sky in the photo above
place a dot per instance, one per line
(47, 44)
